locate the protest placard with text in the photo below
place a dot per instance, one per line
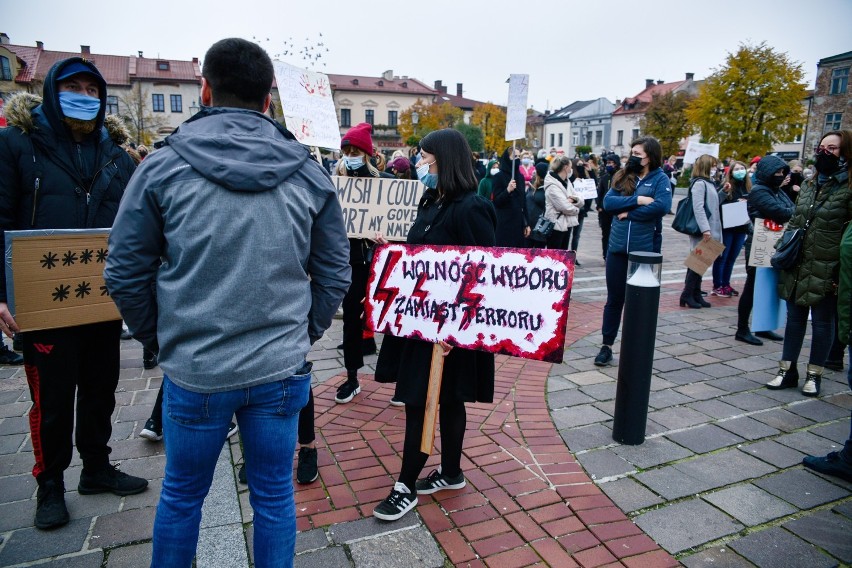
(54, 278)
(307, 106)
(516, 111)
(383, 205)
(766, 234)
(585, 188)
(500, 300)
(703, 255)
(696, 149)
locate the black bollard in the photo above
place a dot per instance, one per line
(638, 337)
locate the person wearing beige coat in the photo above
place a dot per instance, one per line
(560, 202)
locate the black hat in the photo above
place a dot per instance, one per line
(541, 169)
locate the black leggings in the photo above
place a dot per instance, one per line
(453, 424)
(306, 421)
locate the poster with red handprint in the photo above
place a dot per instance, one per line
(307, 105)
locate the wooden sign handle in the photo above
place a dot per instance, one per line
(433, 395)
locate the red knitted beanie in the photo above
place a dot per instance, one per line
(360, 137)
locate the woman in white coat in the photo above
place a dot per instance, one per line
(560, 202)
(705, 205)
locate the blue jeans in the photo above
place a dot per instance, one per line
(195, 427)
(723, 267)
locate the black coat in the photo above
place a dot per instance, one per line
(469, 220)
(511, 207)
(44, 184)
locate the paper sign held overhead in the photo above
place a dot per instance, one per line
(516, 110)
(499, 300)
(371, 205)
(307, 106)
(54, 278)
(694, 150)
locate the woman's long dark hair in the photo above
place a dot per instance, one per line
(452, 154)
(625, 181)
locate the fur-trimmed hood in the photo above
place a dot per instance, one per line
(19, 107)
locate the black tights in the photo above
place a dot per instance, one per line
(453, 424)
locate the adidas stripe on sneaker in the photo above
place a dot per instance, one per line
(398, 503)
(437, 481)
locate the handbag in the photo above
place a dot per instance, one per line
(542, 229)
(684, 220)
(787, 250)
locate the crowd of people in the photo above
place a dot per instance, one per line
(190, 269)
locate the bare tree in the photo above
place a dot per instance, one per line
(141, 121)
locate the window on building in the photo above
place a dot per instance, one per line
(574, 139)
(552, 140)
(635, 133)
(5, 69)
(392, 118)
(598, 138)
(159, 103)
(162, 65)
(588, 138)
(839, 81)
(176, 102)
(112, 104)
(832, 121)
(560, 139)
(620, 138)
(345, 117)
(369, 116)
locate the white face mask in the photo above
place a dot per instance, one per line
(494, 171)
(712, 172)
(422, 171)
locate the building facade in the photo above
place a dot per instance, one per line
(831, 107)
(153, 95)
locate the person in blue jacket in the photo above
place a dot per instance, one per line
(639, 198)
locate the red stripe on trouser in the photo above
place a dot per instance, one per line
(35, 418)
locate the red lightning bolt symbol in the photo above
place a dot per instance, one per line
(384, 293)
(467, 297)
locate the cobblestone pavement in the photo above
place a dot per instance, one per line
(718, 481)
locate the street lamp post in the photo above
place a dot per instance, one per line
(415, 118)
(193, 108)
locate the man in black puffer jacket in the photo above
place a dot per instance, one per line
(60, 169)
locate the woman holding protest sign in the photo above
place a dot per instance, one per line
(736, 188)
(823, 210)
(508, 188)
(705, 208)
(450, 213)
(639, 198)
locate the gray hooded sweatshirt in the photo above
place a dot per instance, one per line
(242, 235)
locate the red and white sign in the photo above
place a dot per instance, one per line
(500, 300)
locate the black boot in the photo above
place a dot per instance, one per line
(690, 289)
(787, 376)
(50, 505)
(696, 286)
(349, 389)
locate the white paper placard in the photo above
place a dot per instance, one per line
(696, 149)
(308, 106)
(585, 188)
(734, 214)
(516, 111)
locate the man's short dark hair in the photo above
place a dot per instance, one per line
(239, 73)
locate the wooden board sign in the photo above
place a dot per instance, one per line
(383, 205)
(54, 278)
(500, 300)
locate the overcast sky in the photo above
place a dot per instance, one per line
(571, 50)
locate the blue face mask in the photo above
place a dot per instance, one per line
(430, 180)
(353, 162)
(610, 169)
(81, 107)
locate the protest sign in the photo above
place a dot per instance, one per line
(703, 255)
(734, 214)
(54, 278)
(769, 312)
(308, 106)
(383, 205)
(516, 111)
(696, 149)
(766, 234)
(585, 188)
(500, 300)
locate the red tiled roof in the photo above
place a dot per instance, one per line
(116, 69)
(178, 70)
(643, 99)
(393, 86)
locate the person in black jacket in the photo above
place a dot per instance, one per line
(451, 213)
(768, 202)
(60, 169)
(536, 201)
(612, 163)
(507, 187)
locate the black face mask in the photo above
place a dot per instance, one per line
(775, 181)
(796, 178)
(581, 170)
(634, 164)
(826, 163)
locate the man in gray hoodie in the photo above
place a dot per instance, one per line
(243, 236)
